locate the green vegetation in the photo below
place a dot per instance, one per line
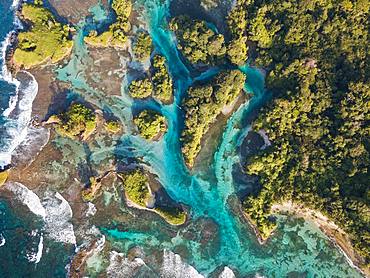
(162, 82)
(116, 35)
(78, 122)
(159, 85)
(196, 41)
(90, 193)
(3, 177)
(142, 88)
(112, 126)
(150, 124)
(317, 53)
(174, 216)
(137, 189)
(136, 185)
(47, 39)
(143, 46)
(202, 106)
(237, 49)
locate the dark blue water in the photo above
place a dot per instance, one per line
(8, 87)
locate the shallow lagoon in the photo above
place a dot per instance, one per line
(216, 234)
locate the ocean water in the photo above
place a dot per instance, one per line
(216, 237)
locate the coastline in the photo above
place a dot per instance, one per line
(41, 179)
(131, 204)
(210, 140)
(334, 233)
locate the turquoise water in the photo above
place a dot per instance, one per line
(216, 235)
(297, 246)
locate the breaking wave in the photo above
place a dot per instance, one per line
(5, 74)
(58, 224)
(35, 257)
(17, 114)
(55, 212)
(26, 197)
(2, 240)
(18, 121)
(227, 273)
(174, 267)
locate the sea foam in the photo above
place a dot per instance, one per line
(174, 267)
(2, 240)
(35, 257)
(227, 273)
(18, 121)
(122, 267)
(58, 224)
(27, 197)
(19, 110)
(5, 74)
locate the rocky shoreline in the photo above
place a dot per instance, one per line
(335, 234)
(329, 228)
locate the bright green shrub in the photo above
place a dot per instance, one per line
(150, 124)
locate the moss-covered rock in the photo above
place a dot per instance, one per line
(3, 177)
(112, 126)
(89, 193)
(173, 215)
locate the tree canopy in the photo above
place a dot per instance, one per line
(317, 56)
(203, 104)
(46, 40)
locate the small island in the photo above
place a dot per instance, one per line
(138, 191)
(162, 81)
(151, 125)
(158, 85)
(143, 46)
(116, 35)
(45, 40)
(202, 106)
(78, 122)
(197, 42)
(112, 126)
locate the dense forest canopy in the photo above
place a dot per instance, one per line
(203, 104)
(317, 57)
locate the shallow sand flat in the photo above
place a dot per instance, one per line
(74, 10)
(329, 228)
(105, 73)
(48, 89)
